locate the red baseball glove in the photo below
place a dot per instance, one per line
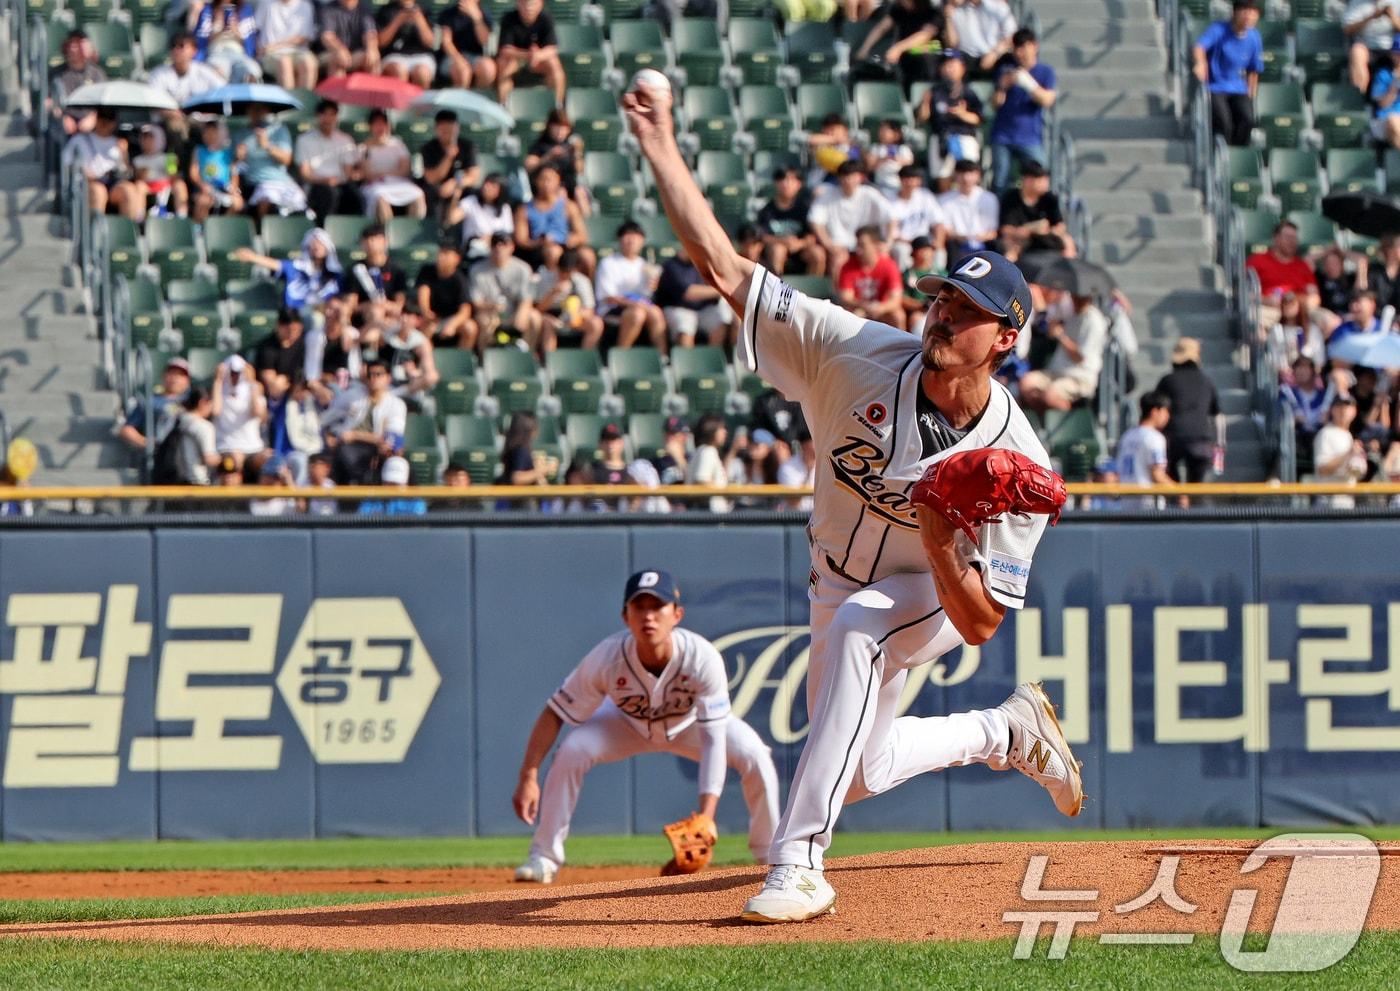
(977, 487)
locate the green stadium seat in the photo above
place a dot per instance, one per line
(281, 236)
(1274, 34)
(155, 43)
(508, 363)
(462, 430)
(638, 378)
(146, 12)
(710, 116)
(620, 10)
(765, 114)
(530, 108)
(404, 232)
(583, 430)
(754, 49)
(725, 181)
(1245, 176)
(751, 385)
(1340, 115)
(146, 315)
(702, 376)
(512, 378)
(1321, 49)
(455, 395)
(198, 328)
(345, 230)
(647, 432)
(354, 120)
(1295, 176)
(123, 248)
(252, 294)
(204, 362)
(1351, 170)
(581, 51)
(253, 326)
(192, 294)
(1314, 230)
(595, 117)
(662, 242)
(453, 363)
(699, 360)
(698, 50)
(1257, 229)
(1280, 114)
(419, 431)
(223, 236)
(171, 247)
(609, 178)
(576, 379)
(637, 45)
(880, 101)
(112, 39)
(811, 47)
(414, 132)
(816, 101)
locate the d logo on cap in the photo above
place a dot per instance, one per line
(648, 579)
(974, 268)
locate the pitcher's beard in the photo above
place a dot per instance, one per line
(929, 346)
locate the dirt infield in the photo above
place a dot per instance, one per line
(954, 892)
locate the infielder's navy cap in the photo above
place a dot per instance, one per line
(990, 281)
(652, 582)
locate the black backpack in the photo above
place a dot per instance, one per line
(166, 469)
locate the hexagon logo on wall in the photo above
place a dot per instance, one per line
(358, 681)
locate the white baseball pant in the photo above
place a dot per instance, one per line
(863, 640)
(606, 736)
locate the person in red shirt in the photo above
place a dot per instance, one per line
(1280, 271)
(869, 284)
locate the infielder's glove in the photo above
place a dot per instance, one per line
(693, 840)
(977, 487)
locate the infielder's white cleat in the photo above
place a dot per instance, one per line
(791, 894)
(1039, 749)
(537, 869)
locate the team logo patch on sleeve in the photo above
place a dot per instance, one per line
(782, 304)
(876, 413)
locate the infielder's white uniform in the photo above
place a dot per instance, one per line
(874, 606)
(619, 709)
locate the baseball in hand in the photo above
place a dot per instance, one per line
(652, 79)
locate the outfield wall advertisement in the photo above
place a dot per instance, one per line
(189, 683)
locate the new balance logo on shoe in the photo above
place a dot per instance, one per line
(806, 886)
(1039, 756)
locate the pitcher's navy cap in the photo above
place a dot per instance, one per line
(657, 583)
(991, 282)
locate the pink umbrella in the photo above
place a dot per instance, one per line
(364, 90)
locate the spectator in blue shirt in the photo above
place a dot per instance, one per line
(1385, 94)
(1025, 88)
(1229, 56)
(394, 474)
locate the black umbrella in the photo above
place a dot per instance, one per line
(1032, 263)
(1075, 276)
(1368, 214)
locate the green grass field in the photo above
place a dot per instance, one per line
(111, 966)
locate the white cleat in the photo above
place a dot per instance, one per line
(791, 894)
(1039, 749)
(538, 870)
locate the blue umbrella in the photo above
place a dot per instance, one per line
(1355, 347)
(233, 100)
(1384, 353)
(466, 104)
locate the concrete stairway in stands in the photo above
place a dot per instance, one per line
(1149, 224)
(52, 389)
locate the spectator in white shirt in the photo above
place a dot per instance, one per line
(482, 213)
(839, 211)
(984, 29)
(916, 214)
(197, 452)
(1369, 25)
(327, 162)
(372, 428)
(1142, 451)
(624, 285)
(1073, 372)
(102, 157)
(239, 411)
(1338, 457)
(707, 462)
(182, 79)
(971, 213)
(286, 29)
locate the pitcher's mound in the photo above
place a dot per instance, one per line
(952, 892)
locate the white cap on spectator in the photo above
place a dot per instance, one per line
(395, 471)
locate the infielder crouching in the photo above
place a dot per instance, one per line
(653, 688)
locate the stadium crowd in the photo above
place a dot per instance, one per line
(530, 260)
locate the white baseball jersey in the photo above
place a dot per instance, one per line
(858, 383)
(692, 687)
(1139, 451)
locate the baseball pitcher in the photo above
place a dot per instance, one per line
(652, 688)
(896, 580)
